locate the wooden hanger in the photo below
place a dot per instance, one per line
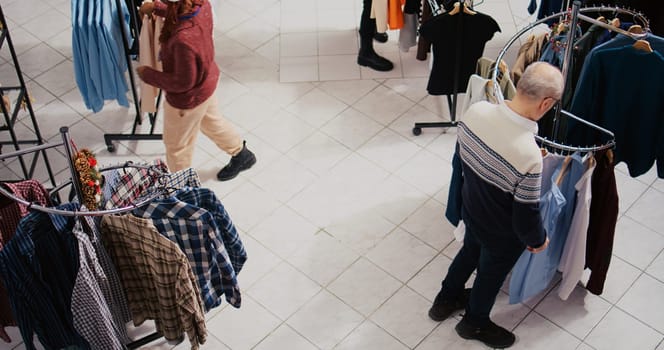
(502, 66)
(563, 170)
(636, 29)
(457, 8)
(468, 11)
(643, 45)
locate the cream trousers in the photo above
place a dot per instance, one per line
(181, 128)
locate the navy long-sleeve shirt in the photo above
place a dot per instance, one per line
(621, 90)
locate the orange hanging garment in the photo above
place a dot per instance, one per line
(395, 13)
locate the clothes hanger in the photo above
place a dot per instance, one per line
(643, 45)
(615, 22)
(563, 170)
(502, 66)
(467, 10)
(457, 8)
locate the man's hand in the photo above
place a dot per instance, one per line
(540, 248)
(146, 8)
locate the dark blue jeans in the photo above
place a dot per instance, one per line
(493, 256)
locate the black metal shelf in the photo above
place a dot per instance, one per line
(10, 115)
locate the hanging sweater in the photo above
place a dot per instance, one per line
(190, 74)
(620, 89)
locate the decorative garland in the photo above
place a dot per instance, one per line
(89, 178)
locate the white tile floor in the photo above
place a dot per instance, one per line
(343, 214)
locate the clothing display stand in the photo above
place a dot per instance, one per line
(575, 14)
(451, 99)
(66, 142)
(22, 101)
(138, 120)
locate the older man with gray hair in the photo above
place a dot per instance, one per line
(502, 166)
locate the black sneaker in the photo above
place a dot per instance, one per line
(492, 335)
(239, 162)
(381, 37)
(442, 309)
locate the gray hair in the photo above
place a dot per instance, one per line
(541, 80)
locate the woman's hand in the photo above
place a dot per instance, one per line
(146, 8)
(140, 70)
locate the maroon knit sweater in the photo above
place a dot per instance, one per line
(190, 74)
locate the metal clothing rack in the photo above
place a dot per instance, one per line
(138, 119)
(11, 114)
(436, 10)
(66, 142)
(574, 15)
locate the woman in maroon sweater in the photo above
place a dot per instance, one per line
(189, 78)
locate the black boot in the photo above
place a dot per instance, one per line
(369, 58)
(244, 160)
(381, 37)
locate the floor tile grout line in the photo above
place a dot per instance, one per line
(627, 312)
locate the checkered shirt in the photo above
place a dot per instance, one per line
(184, 178)
(91, 315)
(157, 278)
(39, 267)
(197, 234)
(131, 185)
(206, 199)
(135, 183)
(114, 293)
(11, 213)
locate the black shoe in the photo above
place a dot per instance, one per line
(492, 335)
(380, 37)
(239, 162)
(442, 309)
(372, 60)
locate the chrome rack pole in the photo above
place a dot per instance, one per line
(64, 132)
(567, 61)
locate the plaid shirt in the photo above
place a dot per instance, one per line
(184, 178)
(206, 199)
(196, 232)
(39, 268)
(157, 278)
(91, 315)
(11, 213)
(115, 294)
(131, 185)
(136, 183)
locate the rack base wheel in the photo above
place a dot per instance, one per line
(417, 131)
(110, 148)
